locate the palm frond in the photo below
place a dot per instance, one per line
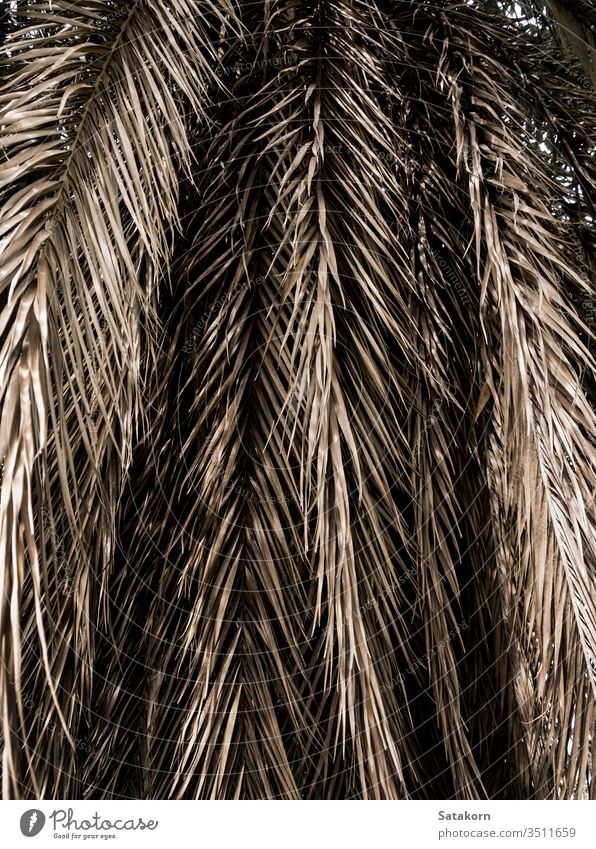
(94, 143)
(297, 389)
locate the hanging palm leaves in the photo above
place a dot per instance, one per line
(296, 386)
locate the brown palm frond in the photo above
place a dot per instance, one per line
(297, 382)
(540, 455)
(94, 143)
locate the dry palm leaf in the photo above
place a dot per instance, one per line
(309, 433)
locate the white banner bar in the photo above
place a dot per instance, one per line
(289, 825)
